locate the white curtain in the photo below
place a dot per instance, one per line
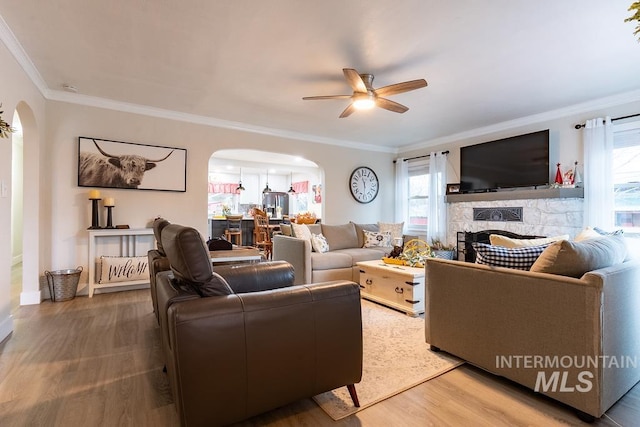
(402, 193)
(437, 224)
(598, 173)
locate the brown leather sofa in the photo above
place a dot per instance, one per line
(157, 262)
(246, 341)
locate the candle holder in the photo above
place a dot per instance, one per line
(109, 217)
(95, 225)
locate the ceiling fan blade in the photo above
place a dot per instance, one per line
(354, 80)
(401, 87)
(391, 105)
(311, 98)
(347, 111)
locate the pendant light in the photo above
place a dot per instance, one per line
(266, 187)
(291, 190)
(240, 187)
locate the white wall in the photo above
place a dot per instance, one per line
(19, 92)
(70, 214)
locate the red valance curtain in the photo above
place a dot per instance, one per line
(222, 187)
(301, 187)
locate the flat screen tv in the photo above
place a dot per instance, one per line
(518, 161)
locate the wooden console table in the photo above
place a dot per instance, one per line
(396, 286)
(117, 242)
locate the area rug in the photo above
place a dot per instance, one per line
(395, 358)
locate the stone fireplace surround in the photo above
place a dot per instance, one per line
(548, 212)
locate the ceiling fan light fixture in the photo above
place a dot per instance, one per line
(364, 102)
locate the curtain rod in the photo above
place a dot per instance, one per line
(420, 157)
(613, 120)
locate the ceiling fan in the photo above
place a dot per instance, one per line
(365, 96)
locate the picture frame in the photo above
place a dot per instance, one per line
(104, 163)
(453, 188)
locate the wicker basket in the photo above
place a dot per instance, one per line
(63, 284)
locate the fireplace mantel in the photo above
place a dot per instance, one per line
(546, 193)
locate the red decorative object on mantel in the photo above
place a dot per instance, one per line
(558, 175)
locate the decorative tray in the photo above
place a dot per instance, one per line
(394, 261)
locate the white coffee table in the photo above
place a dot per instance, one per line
(395, 286)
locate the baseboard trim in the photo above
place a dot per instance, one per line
(6, 328)
(30, 298)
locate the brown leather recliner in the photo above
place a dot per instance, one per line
(246, 341)
(157, 262)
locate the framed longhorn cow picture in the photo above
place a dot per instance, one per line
(113, 164)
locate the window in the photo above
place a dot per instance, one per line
(418, 191)
(626, 177)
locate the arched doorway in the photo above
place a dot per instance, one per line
(31, 206)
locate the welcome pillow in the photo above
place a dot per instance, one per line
(123, 269)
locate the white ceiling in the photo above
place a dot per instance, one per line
(247, 64)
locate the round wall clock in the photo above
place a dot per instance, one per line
(363, 184)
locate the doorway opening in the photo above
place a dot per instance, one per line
(279, 184)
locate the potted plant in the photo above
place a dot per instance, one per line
(442, 250)
(635, 8)
(5, 128)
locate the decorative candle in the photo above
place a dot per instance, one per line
(109, 201)
(94, 194)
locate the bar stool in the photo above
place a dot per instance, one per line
(262, 233)
(233, 233)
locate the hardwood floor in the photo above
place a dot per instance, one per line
(96, 362)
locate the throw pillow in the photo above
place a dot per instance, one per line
(301, 231)
(319, 243)
(497, 256)
(396, 231)
(340, 236)
(373, 239)
(608, 233)
(587, 233)
(574, 259)
(507, 242)
(360, 233)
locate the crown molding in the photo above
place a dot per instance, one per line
(576, 109)
(93, 101)
(11, 42)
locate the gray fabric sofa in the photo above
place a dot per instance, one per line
(561, 336)
(339, 263)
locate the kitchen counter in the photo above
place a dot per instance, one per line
(218, 225)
